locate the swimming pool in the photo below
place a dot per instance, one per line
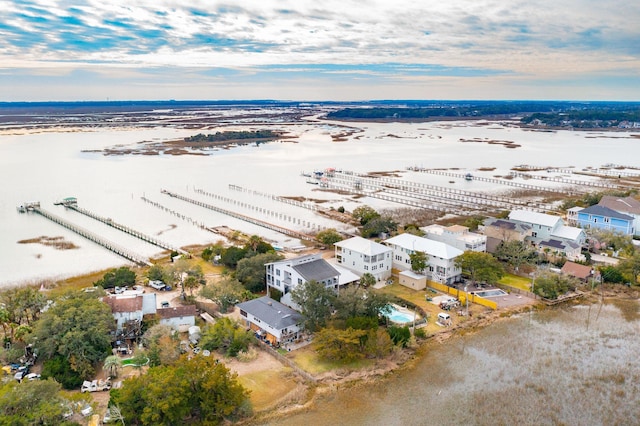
(491, 293)
(400, 317)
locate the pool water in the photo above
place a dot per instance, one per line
(399, 317)
(491, 293)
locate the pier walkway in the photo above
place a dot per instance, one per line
(458, 199)
(497, 181)
(126, 229)
(127, 254)
(280, 229)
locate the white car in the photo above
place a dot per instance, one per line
(32, 376)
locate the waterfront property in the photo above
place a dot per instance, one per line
(502, 230)
(271, 320)
(361, 255)
(457, 236)
(601, 217)
(627, 205)
(440, 257)
(286, 275)
(180, 318)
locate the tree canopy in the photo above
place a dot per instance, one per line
(418, 261)
(479, 266)
(120, 277)
(198, 390)
(225, 293)
(251, 273)
(76, 327)
(516, 253)
(315, 301)
(329, 236)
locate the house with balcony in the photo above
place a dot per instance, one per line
(272, 321)
(457, 236)
(361, 255)
(601, 217)
(286, 275)
(440, 257)
(626, 205)
(128, 310)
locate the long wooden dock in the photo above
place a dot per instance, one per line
(121, 251)
(242, 217)
(126, 229)
(459, 199)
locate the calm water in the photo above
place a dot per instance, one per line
(48, 166)
(575, 366)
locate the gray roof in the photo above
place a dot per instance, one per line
(507, 224)
(559, 244)
(318, 270)
(606, 212)
(626, 205)
(271, 312)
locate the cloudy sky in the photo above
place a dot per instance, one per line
(319, 50)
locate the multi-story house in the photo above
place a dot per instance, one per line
(362, 256)
(457, 236)
(286, 275)
(601, 217)
(272, 321)
(440, 257)
(627, 205)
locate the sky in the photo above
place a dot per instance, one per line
(70, 50)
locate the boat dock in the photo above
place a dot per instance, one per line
(242, 217)
(144, 237)
(121, 251)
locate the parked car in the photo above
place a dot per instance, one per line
(165, 304)
(32, 376)
(157, 284)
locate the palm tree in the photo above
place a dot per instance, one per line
(112, 364)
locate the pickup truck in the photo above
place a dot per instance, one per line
(96, 385)
(158, 285)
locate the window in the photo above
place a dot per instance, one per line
(398, 257)
(243, 313)
(299, 280)
(366, 267)
(534, 234)
(278, 272)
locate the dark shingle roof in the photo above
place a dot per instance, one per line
(606, 212)
(626, 205)
(318, 270)
(177, 312)
(271, 312)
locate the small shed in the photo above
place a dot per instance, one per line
(412, 280)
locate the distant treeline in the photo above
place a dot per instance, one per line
(588, 118)
(232, 136)
(550, 113)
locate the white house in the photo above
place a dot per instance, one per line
(131, 307)
(457, 236)
(440, 256)
(285, 275)
(361, 255)
(546, 226)
(272, 321)
(179, 318)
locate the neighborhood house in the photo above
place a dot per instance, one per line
(364, 256)
(272, 321)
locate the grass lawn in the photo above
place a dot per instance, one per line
(415, 296)
(307, 359)
(266, 387)
(516, 281)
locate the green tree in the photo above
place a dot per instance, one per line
(328, 236)
(418, 261)
(225, 293)
(120, 277)
(315, 301)
(19, 306)
(37, 402)
(377, 226)
(630, 267)
(350, 303)
(474, 222)
(364, 214)
(551, 285)
(112, 365)
(77, 328)
(480, 266)
(156, 273)
(60, 369)
(516, 253)
(232, 255)
(399, 335)
(367, 280)
(227, 335)
(340, 345)
(251, 271)
(379, 343)
(199, 390)
(162, 345)
(611, 274)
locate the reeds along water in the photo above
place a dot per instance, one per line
(550, 370)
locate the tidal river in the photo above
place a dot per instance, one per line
(567, 366)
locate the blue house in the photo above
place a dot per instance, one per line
(601, 217)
